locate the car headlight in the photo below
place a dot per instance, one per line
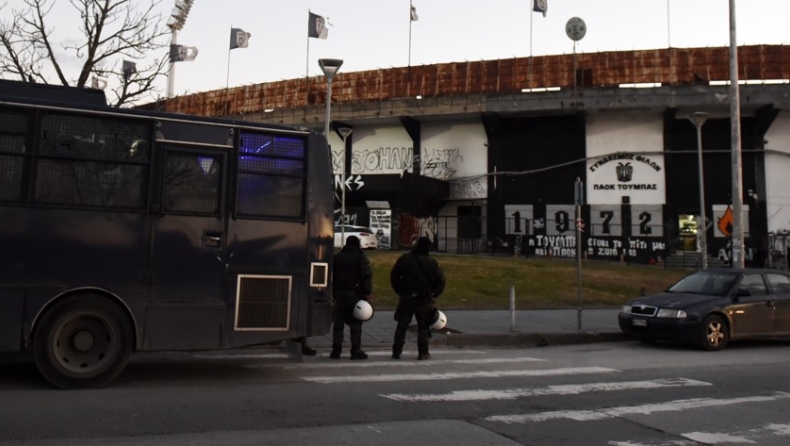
(674, 314)
(625, 309)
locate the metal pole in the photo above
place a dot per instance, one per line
(328, 108)
(344, 133)
(171, 81)
(698, 119)
(512, 308)
(735, 124)
(343, 197)
(579, 198)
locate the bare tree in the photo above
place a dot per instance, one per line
(109, 32)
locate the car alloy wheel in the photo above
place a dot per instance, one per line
(714, 333)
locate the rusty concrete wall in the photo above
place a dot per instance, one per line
(673, 66)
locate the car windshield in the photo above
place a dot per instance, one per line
(705, 282)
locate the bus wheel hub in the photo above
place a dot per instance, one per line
(82, 341)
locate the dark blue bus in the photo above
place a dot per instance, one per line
(126, 230)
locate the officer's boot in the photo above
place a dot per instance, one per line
(336, 350)
(356, 342)
(397, 349)
(357, 353)
(422, 345)
(306, 350)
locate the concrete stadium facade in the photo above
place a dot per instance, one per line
(468, 153)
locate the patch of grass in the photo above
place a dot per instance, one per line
(484, 281)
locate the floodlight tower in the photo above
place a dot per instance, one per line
(177, 20)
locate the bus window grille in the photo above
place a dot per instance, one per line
(263, 303)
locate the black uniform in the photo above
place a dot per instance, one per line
(352, 280)
(418, 280)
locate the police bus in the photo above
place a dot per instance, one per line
(127, 230)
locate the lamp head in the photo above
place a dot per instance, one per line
(330, 67)
(698, 118)
(344, 132)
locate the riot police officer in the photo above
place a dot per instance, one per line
(418, 280)
(352, 280)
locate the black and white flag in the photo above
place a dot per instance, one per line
(183, 53)
(316, 26)
(128, 68)
(239, 38)
(413, 14)
(540, 6)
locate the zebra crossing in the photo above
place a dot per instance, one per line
(487, 371)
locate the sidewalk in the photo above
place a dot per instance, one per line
(466, 328)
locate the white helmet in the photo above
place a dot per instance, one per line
(439, 320)
(363, 311)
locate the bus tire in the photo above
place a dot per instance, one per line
(82, 342)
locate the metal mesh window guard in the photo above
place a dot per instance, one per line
(272, 175)
(92, 161)
(192, 183)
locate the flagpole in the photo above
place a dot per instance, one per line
(410, 22)
(529, 81)
(307, 58)
(227, 76)
(669, 42)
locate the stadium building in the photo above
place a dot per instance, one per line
(485, 155)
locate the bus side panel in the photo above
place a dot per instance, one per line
(73, 248)
(320, 214)
(11, 308)
(181, 326)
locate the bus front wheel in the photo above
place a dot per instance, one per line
(82, 342)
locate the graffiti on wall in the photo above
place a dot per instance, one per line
(410, 228)
(440, 163)
(434, 163)
(349, 219)
(468, 188)
(602, 248)
(381, 160)
(629, 247)
(337, 160)
(553, 245)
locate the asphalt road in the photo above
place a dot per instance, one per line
(618, 394)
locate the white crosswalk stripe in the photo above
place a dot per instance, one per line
(369, 364)
(759, 435)
(279, 354)
(567, 389)
(644, 409)
(458, 375)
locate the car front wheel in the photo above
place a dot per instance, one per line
(714, 333)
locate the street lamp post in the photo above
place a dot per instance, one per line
(344, 133)
(330, 67)
(699, 118)
(177, 20)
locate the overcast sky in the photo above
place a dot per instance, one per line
(370, 34)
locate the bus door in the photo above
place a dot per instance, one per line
(188, 252)
(267, 258)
